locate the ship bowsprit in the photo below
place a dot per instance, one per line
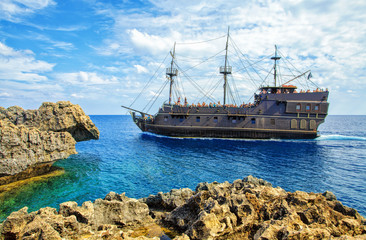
(278, 110)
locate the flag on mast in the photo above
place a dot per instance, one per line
(310, 76)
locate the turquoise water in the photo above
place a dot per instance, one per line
(126, 160)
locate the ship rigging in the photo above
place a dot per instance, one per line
(277, 111)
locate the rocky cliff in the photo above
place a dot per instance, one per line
(245, 209)
(62, 116)
(31, 140)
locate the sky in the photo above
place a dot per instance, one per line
(101, 54)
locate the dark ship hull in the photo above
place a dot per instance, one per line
(278, 111)
(273, 115)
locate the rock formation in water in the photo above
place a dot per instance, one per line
(31, 140)
(62, 116)
(27, 152)
(245, 209)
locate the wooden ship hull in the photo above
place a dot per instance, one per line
(278, 111)
(280, 115)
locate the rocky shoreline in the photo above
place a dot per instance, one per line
(245, 209)
(32, 140)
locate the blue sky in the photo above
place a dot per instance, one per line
(100, 54)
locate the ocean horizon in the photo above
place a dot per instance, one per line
(126, 160)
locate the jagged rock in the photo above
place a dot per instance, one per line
(43, 224)
(15, 223)
(128, 212)
(122, 211)
(83, 214)
(104, 219)
(245, 209)
(329, 196)
(31, 140)
(168, 201)
(252, 209)
(29, 151)
(62, 116)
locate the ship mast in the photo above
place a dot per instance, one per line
(226, 69)
(275, 58)
(171, 72)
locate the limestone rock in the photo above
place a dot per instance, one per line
(245, 209)
(252, 209)
(62, 116)
(104, 219)
(22, 147)
(14, 225)
(32, 140)
(109, 211)
(168, 201)
(43, 224)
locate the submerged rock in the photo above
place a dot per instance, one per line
(32, 140)
(245, 209)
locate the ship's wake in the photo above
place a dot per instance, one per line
(331, 137)
(340, 137)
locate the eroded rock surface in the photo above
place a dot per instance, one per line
(109, 218)
(31, 140)
(245, 209)
(30, 151)
(168, 201)
(62, 116)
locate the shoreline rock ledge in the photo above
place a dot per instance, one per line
(32, 140)
(245, 209)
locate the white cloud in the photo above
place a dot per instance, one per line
(51, 44)
(63, 45)
(140, 69)
(15, 10)
(21, 65)
(4, 94)
(35, 4)
(78, 96)
(147, 42)
(85, 78)
(325, 36)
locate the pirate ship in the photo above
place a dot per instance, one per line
(278, 110)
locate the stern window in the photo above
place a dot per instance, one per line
(215, 120)
(298, 107)
(253, 120)
(307, 107)
(165, 118)
(198, 119)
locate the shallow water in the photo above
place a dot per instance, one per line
(126, 160)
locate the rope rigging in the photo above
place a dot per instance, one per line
(196, 85)
(150, 80)
(246, 69)
(153, 100)
(209, 40)
(213, 89)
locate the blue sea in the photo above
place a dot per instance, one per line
(126, 160)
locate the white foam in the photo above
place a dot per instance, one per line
(340, 137)
(221, 139)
